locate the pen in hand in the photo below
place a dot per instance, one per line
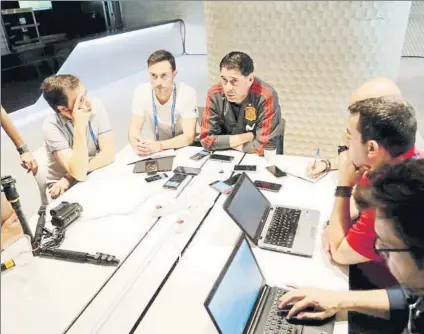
(316, 157)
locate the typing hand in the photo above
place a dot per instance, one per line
(317, 170)
(28, 162)
(325, 303)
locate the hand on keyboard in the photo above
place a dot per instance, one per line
(311, 304)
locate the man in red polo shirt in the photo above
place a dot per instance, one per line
(379, 130)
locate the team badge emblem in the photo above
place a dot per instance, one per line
(250, 113)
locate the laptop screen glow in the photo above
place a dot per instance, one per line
(248, 207)
(236, 294)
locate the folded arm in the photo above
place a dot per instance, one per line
(75, 160)
(184, 139)
(211, 135)
(267, 125)
(107, 152)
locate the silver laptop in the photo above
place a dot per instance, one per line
(240, 301)
(274, 227)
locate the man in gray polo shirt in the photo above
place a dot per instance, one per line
(78, 136)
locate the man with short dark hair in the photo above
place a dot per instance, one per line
(380, 130)
(168, 108)
(78, 136)
(242, 111)
(396, 193)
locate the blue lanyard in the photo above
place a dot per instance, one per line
(155, 114)
(92, 134)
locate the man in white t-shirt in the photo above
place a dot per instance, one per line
(168, 108)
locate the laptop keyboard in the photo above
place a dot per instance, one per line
(276, 322)
(282, 229)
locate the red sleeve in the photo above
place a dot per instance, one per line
(361, 236)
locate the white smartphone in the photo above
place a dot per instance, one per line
(221, 187)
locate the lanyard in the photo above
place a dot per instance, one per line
(93, 136)
(155, 114)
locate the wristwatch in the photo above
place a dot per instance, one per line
(342, 191)
(22, 149)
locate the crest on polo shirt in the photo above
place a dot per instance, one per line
(250, 113)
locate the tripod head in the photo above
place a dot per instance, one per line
(8, 184)
(9, 187)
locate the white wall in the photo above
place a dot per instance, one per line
(414, 40)
(137, 13)
(314, 53)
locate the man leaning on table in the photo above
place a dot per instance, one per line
(78, 136)
(396, 192)
(168, 108)
(381, 130)
(242, 111)
(377, 87)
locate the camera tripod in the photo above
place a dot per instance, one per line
(49, 250)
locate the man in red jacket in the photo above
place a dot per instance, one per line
(242, 111)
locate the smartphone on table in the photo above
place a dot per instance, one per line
(264, 185)
(232, 180)
(245, 168)
(175, 181)
(277, 172)
(187, 170)
(156, 177)
(222, 157)
(200, 155)
(221, 187)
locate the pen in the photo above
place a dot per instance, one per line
(316, 157)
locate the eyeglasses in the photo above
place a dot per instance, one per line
(381, 251)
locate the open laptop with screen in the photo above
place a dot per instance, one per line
(241, 302)
(274, 227)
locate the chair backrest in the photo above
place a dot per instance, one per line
(40, 155)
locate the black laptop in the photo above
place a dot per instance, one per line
(241, 302)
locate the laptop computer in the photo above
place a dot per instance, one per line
(240, 301)
(274, 227)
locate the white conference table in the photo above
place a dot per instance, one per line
(46, 296)
(118, 306)
(178, 308)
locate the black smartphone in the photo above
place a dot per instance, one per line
(277, 172)
(200, 155)
(232, 180)
(175, 181)
(156, 177)
(222, 157)
(187, 170)
(245, 168)
(221, 187)
(268, 186)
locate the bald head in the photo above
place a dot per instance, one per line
(377, 87)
